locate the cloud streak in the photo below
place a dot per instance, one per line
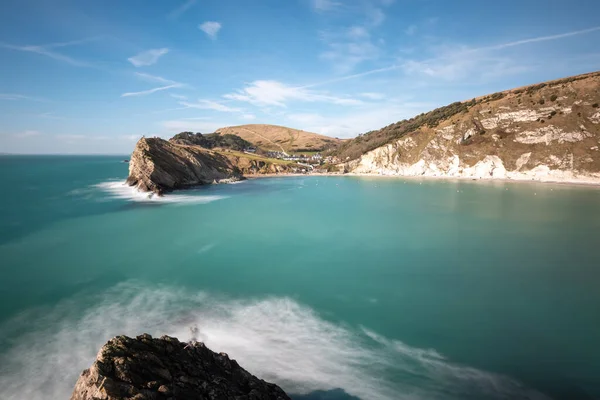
(148, 57)
(167, 84)
(149, 91)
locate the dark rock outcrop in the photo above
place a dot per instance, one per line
(145, 368)
(160, 166)
(157, 165)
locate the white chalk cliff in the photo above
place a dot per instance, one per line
(547, 132)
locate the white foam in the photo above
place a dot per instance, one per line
(121, 190)
(275, 338)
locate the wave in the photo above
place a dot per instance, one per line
(275, 338)
(121, 190)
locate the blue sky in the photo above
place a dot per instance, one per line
(80, 76)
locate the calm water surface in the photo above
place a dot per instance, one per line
(332, 287)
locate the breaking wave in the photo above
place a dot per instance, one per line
(275, 338)
(121, 190)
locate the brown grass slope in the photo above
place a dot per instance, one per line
(281, 138)
(505, 124)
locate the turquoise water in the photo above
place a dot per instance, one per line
(332, 287)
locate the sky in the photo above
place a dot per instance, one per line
(92, 77)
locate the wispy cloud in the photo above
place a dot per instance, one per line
(324, 5)
(70, 137)
(179, 11)
(347, 49)
(28, 133)
(167, 84)
(49, 115)
(178, 96)
(540, 39)
(148, 57)
(211, 28)
(274, 93)
(373, 96)
(427, 66)
(249, 116)
(202, 104)
(14, 96)
(45, 50)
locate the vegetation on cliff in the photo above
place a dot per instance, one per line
(212, 140)
(363, 143)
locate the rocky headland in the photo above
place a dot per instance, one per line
(159, 166)
(146, 368)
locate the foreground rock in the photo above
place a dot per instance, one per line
(160, 166)
(543, 132)
(147, 368)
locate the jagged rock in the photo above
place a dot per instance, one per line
(145, 368)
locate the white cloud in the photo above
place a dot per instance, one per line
(202, 104)
(211, 28)
(176, 13)
(28, 133)
(148, 57)
(274, 93)
(249, 116)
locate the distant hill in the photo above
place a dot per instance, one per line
(281, 138)
(546, 131)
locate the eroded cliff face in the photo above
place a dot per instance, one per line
(550, 133)
(146, 368)
(159, 166)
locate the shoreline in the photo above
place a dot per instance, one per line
(588, 184)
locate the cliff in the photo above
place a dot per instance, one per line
(147, 368)
(159, 166)
(545, 132)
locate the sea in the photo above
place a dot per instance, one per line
(334, 288)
